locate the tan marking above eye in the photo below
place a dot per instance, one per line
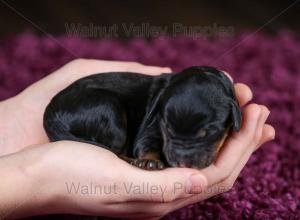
(202, 133)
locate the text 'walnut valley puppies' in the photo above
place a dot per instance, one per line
(179, 119)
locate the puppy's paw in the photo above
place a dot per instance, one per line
(148, 164)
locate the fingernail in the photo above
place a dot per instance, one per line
(265, 110)
(197, 184)
(273, 137)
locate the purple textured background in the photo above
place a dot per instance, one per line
(269, 186)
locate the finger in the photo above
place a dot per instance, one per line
(132, 210)
(90, 66)
(259, 130)
(166, 185)
(243, 93)
(207, 193)
(268, 134)
(234, 147)
(77, 69)
(151, 70)
(229, 181)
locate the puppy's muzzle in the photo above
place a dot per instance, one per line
(189, 156)
(187, 153)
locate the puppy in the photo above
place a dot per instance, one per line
(173, 120)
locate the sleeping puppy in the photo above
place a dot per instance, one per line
(173, 120)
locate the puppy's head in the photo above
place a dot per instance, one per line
(198, 107)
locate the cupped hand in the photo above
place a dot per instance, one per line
(64, 163)
(78, 178)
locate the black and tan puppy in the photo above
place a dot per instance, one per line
(172, 120)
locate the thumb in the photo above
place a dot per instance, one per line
(165, 185)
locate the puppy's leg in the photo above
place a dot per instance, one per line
(148, 148)
(149, 161)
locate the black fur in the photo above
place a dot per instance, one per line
(179, 116)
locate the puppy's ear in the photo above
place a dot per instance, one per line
(236, 115)
(221, 76)
(154, 102)
(157, 91)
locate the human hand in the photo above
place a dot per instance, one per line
(85, 164)
(21, 121)
(24, 116)
(237, 149)
(103, 184)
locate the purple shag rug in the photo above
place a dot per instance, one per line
(269, 186)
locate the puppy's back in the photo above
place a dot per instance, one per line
(93, 109)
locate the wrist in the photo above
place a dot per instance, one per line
(6, 124)
(24, 189)
(20, 125)
(10, 126)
